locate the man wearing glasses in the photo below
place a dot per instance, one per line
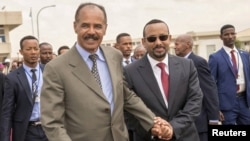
(167, 84)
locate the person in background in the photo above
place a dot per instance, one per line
(46, 52)
(1, 67)
(167, 84)
(20, 63)
(210, 103)
(21, 100)
(80, 103)
(139, 52)
(14, 65)
(230, 68)
(54, 55)
(6, 64)
(62, 49)
(2, 79)
(124, 44)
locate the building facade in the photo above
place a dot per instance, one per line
(8, 21)
(205, 43)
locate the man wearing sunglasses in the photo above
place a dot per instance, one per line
(167, 84)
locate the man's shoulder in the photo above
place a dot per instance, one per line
(244, 52)
(178, 59)
(197, 58)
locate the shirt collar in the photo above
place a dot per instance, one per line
(85, 54)
(27, 68)
(228, 49)
(188, 55)
(154, 62)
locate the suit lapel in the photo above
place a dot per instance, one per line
(245, 60)
(227, 58)
(22, 78)
(112, 64)
(146, 70)
(174, 77)
(82, 72)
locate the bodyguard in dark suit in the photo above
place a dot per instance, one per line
(210, 104)
(231, 69)
(21, 101)
(181, 103)
(2, 77)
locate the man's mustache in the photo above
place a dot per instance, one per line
(91, 37)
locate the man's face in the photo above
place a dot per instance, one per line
(14, 65)
(228, 37)
(125, 45)
(46, 54)
(62, 51)
(159, 48)
(30, 52)
(90, 28)
(181, 47)
(139, 53)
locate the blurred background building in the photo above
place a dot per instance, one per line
(8, 22)
(205, 42)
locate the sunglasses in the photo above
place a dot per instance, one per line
(153, 38)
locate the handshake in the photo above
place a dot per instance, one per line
(162, 129)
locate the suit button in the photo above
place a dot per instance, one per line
(106, 110)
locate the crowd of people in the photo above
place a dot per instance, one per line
(114, 94)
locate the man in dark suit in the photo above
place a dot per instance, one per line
(171, 92)
(21, 101)
(210, 104)
(2, 79)
(230, 68)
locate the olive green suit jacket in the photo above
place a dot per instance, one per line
(74, 107)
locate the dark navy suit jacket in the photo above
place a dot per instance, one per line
(222, 72)
(17, 106)
(210, 104)
(2, 77)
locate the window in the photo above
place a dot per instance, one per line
(2, 36)
(210, 50)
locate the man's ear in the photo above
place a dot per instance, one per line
(75, 26)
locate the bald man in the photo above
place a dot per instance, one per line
(139, 52)
(210, 106)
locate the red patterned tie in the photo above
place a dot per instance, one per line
(164, 78)
(235, 69)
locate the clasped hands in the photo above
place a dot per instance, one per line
(162, 129)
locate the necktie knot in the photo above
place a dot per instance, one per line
(232, 51)
(93, 57)
(161, 65)
(33, 70)
(127, 62)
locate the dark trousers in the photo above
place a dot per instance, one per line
(203, 136)
(35, 133)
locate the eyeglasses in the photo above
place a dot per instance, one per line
(153, 38)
